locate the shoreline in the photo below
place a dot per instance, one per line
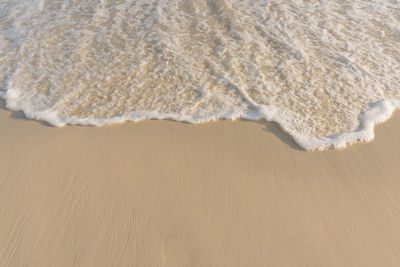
(163, 193)
(379, 112)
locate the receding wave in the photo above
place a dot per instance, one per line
(326, 71)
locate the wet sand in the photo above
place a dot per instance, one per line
(162, 193)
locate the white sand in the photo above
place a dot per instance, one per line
(162, 193)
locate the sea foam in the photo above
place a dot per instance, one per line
(326, 71)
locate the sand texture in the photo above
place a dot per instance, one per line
(161, 193)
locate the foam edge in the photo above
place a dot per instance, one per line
(378, 112)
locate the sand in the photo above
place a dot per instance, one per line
(162, 193)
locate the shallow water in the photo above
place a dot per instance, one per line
(326, 71)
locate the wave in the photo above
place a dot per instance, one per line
(326, 71)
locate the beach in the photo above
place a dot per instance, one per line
(182, 133)
(163, 193)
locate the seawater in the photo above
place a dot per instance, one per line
(325, 70)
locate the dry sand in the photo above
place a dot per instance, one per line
(162, 193)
